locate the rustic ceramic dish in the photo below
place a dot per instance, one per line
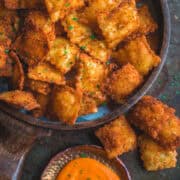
(161, 13)
(60, 160)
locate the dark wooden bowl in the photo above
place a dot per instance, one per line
(61, 159)
(161, 12)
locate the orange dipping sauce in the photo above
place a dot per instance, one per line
(86, 169)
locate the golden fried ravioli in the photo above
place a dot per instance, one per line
(117, 137)
(117, 25)
(65, 104)
(23, 4)
(32, 46)
(19, 99)
(154, 156)
(147, 23)
(9, 25)
(95, 7)
(91, 75)
(3, 57)
(122, 83)
(158, 121)
(80, 34)
(59, 9)
(63, 54)
(139, 54)
(37, 86)
(88, 106)
(46, 73)
(38, 20)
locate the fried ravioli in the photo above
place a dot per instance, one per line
(91, 75)
(117, 25)
(19, 99)
(23, 4)
(59, 9)
(65, 104)
(139, 54)
(158, 121)
(154, 156)
(117, 137)
(85, 38)
(37, 86)
(122, 83)
(63, 54)
(32, 46)
(147, 23)
(46, 73)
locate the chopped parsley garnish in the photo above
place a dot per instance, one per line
(104, 104)
(93, 36)
(66, 51)
(83, 47)
(108, 62)
(75, 19)
(83, 155)
(70, 27)
(7, 51)
(1, 33)
(67, 4)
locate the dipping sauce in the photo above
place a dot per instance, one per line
(86, 169)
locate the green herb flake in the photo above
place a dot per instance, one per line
(7, 51)
(108, 62)
(67, 4)
(66, 51)
(83, 155)
(93, 36)
(75, 19)
(83, 47)
(70, 27)
(104, 104)
(1, 33)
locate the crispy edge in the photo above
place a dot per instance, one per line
(154, 156)
(130, 80)
(112, 132)
(151, 116)
(18, 72)
(20, 99)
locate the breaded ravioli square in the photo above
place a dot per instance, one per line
(157, 120)
(139, 54)
(59, 9)
(122, 83)
(62, 54)
(117, 137)
(154, 156)
(147, 23)
(65, 104)
(23, 4)
(117, 25)
(82, 35)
